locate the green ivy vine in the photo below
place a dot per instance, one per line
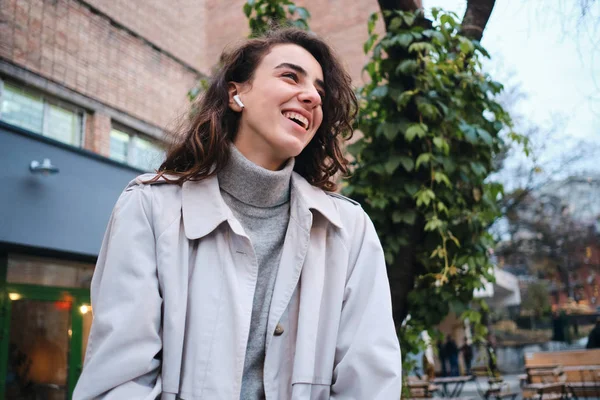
(431, 132)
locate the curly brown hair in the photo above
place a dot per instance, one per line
(202, 147)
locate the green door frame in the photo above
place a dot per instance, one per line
(44, 293)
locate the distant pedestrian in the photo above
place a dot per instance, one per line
(491, 353)
(452, 354)
(467, 352)
(594, 337)
(442, 357)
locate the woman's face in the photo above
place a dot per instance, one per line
(282, 106)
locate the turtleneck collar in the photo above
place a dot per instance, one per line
(255, 185)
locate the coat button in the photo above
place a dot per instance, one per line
(278, 330)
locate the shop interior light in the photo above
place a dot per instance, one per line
(14, 296)
(45, 167)
(84, 309)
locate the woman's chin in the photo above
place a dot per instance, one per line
(290, 147)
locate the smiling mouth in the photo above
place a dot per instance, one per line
(297, 118)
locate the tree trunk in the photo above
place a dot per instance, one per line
(476, 18)
(403, 273)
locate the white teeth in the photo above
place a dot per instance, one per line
(297, 117)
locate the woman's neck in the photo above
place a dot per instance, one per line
(252, 184)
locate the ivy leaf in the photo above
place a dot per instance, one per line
(409, 19)
(433, 224)
(420, 46)
(356, 148)
(411, 188)
(465, 45)
(302, 13)
(440, 143)
(407, 216)
(404, 39)
(447, 19)
(481, 49)
(423, 159)
(390, 130)
(469, 131)
(248, 9)
(370, 42)
(407, 67)
(380, 91)
(424, 197)
(392, 164)
(395, 24)
(485, 136)
(407, 163)
(413, 130)
(442, 208)
(478, 169)
(440, 177)
(300, 23)
(372, 21)
(428, 110)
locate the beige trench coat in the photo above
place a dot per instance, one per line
(172, 298)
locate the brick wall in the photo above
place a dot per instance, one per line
(175, 25)
(342, 23)
(63, 40)
(97, 133)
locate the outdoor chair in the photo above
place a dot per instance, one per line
(420, 388)
(491, 386)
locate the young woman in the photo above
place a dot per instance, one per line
(234, 273)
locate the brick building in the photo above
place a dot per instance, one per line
(87, 90)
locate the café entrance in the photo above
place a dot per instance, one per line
(43, 328)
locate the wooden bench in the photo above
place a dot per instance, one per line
(547, 391)
(579, 370)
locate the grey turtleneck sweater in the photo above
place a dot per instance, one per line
(260, 200)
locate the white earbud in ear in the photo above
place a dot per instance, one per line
(237, 99)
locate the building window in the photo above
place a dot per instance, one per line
(39, 114)
(135, 150)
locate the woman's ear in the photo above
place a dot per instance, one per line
(235, 102)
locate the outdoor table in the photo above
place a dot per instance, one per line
(455, 382)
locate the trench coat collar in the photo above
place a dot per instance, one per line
(204, 209)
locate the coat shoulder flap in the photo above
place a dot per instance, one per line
(339, 196)
(147, 179)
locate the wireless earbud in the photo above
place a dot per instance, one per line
(237, 99)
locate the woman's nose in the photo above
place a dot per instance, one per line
(310, 96)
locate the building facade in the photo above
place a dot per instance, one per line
(88, 89)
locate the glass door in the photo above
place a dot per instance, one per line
(42, 344)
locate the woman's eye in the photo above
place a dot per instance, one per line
(291, 75)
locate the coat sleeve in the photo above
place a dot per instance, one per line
(123, 353)
(367, 360)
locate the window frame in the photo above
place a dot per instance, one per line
(133, 134)
(47, 101)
